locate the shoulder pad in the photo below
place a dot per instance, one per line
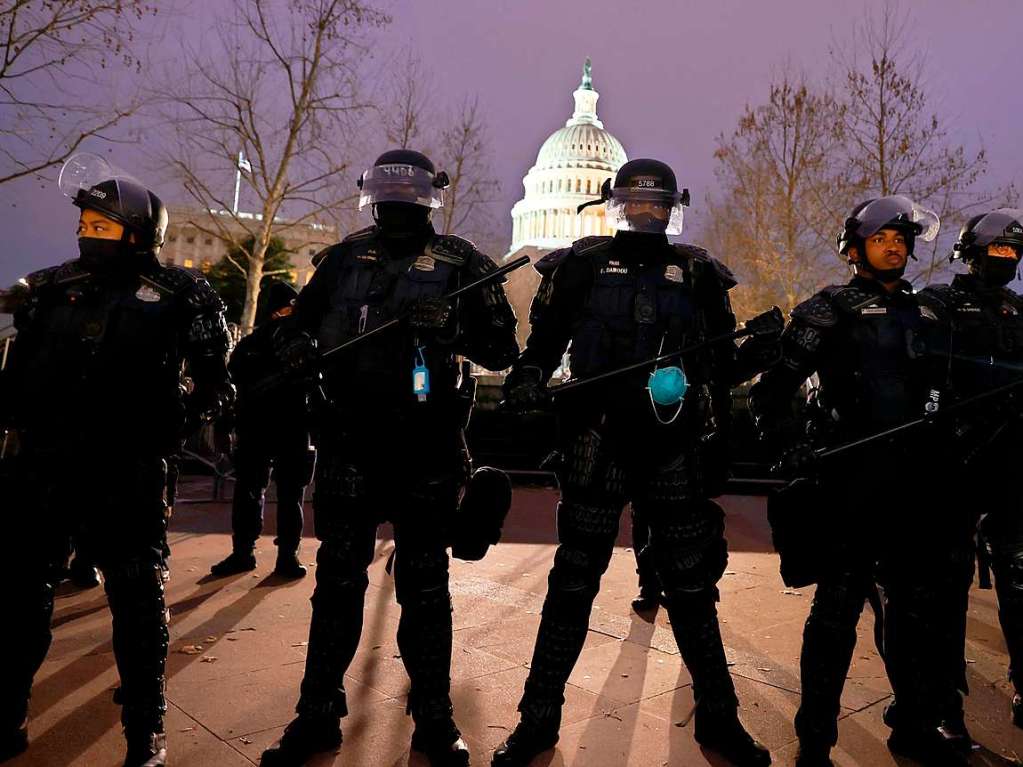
(817, 310)
(546, 265)
(175, 280)
(700, 256)
(850, 298)
(322, 254)
(361, 234)
(42, 277)
(944, 296)
(589, 244)
(452, 249)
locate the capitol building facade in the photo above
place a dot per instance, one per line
(569, 170)
(570, 167)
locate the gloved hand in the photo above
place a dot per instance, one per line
(524, 389)
(431, 314)
(296, 352)
(798, 460)
(205, 404)
(767, 324)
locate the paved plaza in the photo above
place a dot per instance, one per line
(238, 648)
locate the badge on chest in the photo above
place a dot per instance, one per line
(147, 294)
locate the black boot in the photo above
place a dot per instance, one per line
(649, 598)
(813, 755)
(523, 744)
(145, 749)
(1017, 710)
(953, 729)
(235, 562)
(926, 746)
(442, 744)
(288, 565)
(13, 742)
(83, 574)
(724, 734)
(302, 739)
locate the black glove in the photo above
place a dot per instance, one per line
(524, 389)
(768, 324)
(798, 460)
(296, 352)
(205, 404)
(431, 314)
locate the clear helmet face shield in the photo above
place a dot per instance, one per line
(401, 183)
(897, 209)
(92, 182)
(1004, 225)
(655, 211)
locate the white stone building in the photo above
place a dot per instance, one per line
(570, 167)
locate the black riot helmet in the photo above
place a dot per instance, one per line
(276, 299)
(643, 183)
(94, 184)
(892, 212)
(999, 227)
(403, 188)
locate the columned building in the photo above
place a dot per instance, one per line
(569, 170)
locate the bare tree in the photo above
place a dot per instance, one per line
(52, 94)
(767, 221)
(893, 142)
(409, 93)
(465, 155)
(280, 87)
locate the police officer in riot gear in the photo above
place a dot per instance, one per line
(618, 301)
(272, 428)
(392, 448)
(854, 337)
(985, 328)
(95, 402)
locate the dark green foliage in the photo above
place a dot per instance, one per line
(229, 282)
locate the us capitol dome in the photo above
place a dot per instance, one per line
(570, 167)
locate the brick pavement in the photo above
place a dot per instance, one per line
(629, 698)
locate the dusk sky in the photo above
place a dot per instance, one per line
(672, 75)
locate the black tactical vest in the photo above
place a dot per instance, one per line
(632, 308)
(868, 379)
(102, 357)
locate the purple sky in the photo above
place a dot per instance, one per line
(672, 74)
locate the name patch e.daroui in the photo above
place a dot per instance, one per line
(614, 267)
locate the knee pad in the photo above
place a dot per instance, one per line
(337, 482)
(837, 604)
(340, 572)
(587, 526)
(575, 578)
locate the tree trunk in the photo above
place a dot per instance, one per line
(252, 280)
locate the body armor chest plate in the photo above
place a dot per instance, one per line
(372, 288)
(631, 309)
(987, 326)
(867, 374)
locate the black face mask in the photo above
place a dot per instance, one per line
(102, 256)
(648, 223)
(401, 219)
(997, 272)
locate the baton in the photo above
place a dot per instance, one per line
(488, 277)
(829, 452)
(730, 336)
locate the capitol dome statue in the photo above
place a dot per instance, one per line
(570, 167)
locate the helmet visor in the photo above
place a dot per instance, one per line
(92, 182)
(895, 211)
(400, 183)
(655, 211)
(1003, 225)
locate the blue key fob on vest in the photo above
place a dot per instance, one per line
(420, 376)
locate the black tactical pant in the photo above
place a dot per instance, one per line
(290, 458)
(645, 569)
(418, 494)
(599, 475)
(879, 535)
(114, 504)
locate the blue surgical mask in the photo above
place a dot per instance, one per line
(667, 385)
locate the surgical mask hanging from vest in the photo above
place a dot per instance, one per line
(667, 386)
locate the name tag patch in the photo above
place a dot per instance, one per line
(874, 310)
